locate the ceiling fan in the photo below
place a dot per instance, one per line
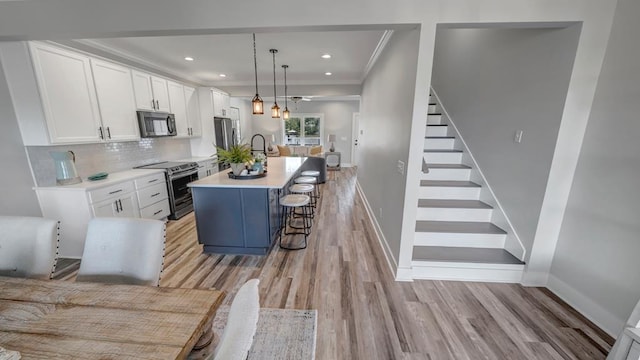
(295, 99)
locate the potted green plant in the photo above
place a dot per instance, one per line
(237, 156)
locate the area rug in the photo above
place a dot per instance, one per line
(281, 334)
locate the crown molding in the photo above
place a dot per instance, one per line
(384, 39)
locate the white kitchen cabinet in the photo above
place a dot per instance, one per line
(114, 89)
(179, 108)
(193, 111)
(207, 167)
(133, 193)
(67, 92)
(151, 92)
(221, 103)
(634, 352)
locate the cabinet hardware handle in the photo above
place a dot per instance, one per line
(157, 104)
(120, 202)
(108, 132)
(101, 133)
(115, 191)
(153, 104)
(156, 194)
(157, 212)
(117, 208)
(150, 181)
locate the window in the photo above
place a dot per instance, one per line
(303, 129)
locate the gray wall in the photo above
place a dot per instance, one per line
(386, 112)
(337, 120)
(492, 82)
(16, 181)
(596, 266)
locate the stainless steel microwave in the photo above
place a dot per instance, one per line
(156, 124)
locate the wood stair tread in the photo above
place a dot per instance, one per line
(448, 166)
(442, 151)
(463, 254)
(439, 137)
(448, 183)
(453, 204)
(434, 113)
(459, 227)
(437, 125)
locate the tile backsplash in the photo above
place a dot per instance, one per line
(107, 157)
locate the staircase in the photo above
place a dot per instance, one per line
(455, 238)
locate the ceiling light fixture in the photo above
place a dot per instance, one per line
(285, 113)
(275, 109)
(189, 58)
(328, 73)
(223, 75)
(326, 56)
(256, 103)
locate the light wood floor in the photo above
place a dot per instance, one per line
(364, 314)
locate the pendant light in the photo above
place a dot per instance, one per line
(257, 104)
(275, 109)
(285, 113)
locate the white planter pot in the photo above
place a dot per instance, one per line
(237, 168)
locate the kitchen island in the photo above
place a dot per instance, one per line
(242, 216)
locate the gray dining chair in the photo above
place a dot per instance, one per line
(123, 251)
(28, 246)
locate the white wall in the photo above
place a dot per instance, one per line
(16, 181)
(596, 266)
(386, 111)
(494, 82)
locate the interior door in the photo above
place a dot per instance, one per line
(355, 135)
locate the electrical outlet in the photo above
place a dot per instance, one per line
(400, 167)
(518, 137)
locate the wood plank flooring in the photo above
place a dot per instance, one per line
(363, 313)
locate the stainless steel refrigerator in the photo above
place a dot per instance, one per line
(225, 134)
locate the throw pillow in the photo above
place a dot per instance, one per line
(315, 150)
(284, 150)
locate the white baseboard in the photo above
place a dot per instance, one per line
(404, 274)
(346, 165)
(600, 316)
(391, 261)
(454, 271)
(530, 278)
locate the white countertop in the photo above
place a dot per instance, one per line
(279, 172)
(113, 178)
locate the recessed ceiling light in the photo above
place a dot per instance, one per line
(188, 58)
(223, 75)
(328, 73)
(326, 56)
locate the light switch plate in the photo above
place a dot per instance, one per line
(400, 167)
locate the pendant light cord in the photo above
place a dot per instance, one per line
(275, 101)
(255, 61)
(285, 86)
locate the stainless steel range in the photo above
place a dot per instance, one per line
(178, 174)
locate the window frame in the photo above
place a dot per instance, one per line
(302, 116)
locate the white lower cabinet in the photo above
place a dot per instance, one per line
(634, 353)
(207, 168)
(134, 193)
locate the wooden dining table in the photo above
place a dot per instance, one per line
(66, 320)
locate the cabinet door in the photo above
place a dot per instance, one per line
(142, 90)
(161, 94)
(68, 94)
(104, 209)
(178, 107)
(129, 206)
(114, 89)
(193, 111)
(218, 104)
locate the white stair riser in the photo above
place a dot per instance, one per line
(466, 272)
(453, 214)
(442, 158)
(446, 174)
(434, 119)
(490, 241)
(439, 143)
(437, 130)
(432, 109)
(446, 192)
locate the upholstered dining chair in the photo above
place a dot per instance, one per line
(123, 251)
(242, 323)
(28, 246)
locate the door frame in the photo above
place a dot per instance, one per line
(355, 136)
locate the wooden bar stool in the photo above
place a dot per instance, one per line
(289, 204)
(309, 180)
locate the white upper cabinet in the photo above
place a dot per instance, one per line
(179, 108)
(221, 103)
(193, 111)
(151, 92)
(68, 96)
(114, 89)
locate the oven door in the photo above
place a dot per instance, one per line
(182, 203)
